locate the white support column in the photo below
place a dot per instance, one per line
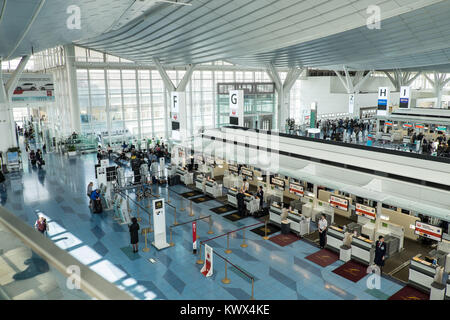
(7, 124)
(283, 91)
(438, 84)
(170, 87)
(69, 52)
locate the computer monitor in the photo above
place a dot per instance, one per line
(429, 259)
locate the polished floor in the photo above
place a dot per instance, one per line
(58, 191)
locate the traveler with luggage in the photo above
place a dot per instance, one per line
(41, 225)
(40, 161)
(96, 201)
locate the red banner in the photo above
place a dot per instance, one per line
(194, 236)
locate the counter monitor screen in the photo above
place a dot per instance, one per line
(247, 172)
(233, 168)
(158, 204)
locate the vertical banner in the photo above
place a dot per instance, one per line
(237, 107)
(159, 224)
(313, 115)
(207, 269)
(194, 237)
(178, 115)
(383, 101)
(351, 103)
(405, 96)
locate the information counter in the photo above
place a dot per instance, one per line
(251, 203)
(335, 238)
(363, 250)
(421, 273)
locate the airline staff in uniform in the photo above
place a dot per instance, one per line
(323, 225)
(245, 186)
(380, 253)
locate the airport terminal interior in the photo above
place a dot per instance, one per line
(224, 150)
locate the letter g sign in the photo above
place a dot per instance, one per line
(233, 98)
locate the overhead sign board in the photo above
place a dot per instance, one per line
(368, 212)
(383, 100)
(339, 203)
(428, 231)
(296, 189)
(405, 97)
(236, 99)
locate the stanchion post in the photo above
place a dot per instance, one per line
(182, 204)
(243, 245)
(137, 210)
(175, 223)
(228, 250)
(146, 249)
(191, 214)
(171, 242)
(200, 261)
(210, 231)
(168, 195)
(253, 289)
(226, 280)
(265, 231)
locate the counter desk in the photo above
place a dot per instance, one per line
(185, 176)
(199, 185)
(421, 273)
(363, 250)
(299, 224)
(335, 238)
(231, 196)
(213, 189)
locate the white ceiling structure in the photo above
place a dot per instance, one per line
(288, 33)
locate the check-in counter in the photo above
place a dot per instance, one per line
(251, 203)
(421, 273)
(299, 223)
(171, 170)
(231, 196)
(213, 189)
(275, 213)
(185, 176)
(200, 183)
(335, 238)
(447, 291)
(363, 250)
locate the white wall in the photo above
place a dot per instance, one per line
(330, 95)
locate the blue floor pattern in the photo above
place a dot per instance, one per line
(280, 273)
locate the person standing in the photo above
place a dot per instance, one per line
(380, 253)
(323, 225)
(260, 195)
(89, 192)
(241, 203)
(2, 181)
(245, 186)
(134, 235)
(41, 225)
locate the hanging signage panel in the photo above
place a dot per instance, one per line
(405, 95)
(368, 212)
(339, 203)
(236, 100)
(383, 100)
(428, 231)
(279, 183)
(35, 87)
(296, 189)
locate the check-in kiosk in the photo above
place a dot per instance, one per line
(231, 196)
(363, 250)
(212, 188)
(299, 223)
(421, 272)
(200, 183)
(335, 238)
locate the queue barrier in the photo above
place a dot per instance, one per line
(180, 224)
(227, 280)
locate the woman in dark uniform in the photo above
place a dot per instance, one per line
(380, 252)
(134, 235)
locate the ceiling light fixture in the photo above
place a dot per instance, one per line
(175, 2)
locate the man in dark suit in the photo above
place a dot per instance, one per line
(260, 195)
(241, 203)
(380, 253)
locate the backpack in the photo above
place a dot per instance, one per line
(42, 226)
